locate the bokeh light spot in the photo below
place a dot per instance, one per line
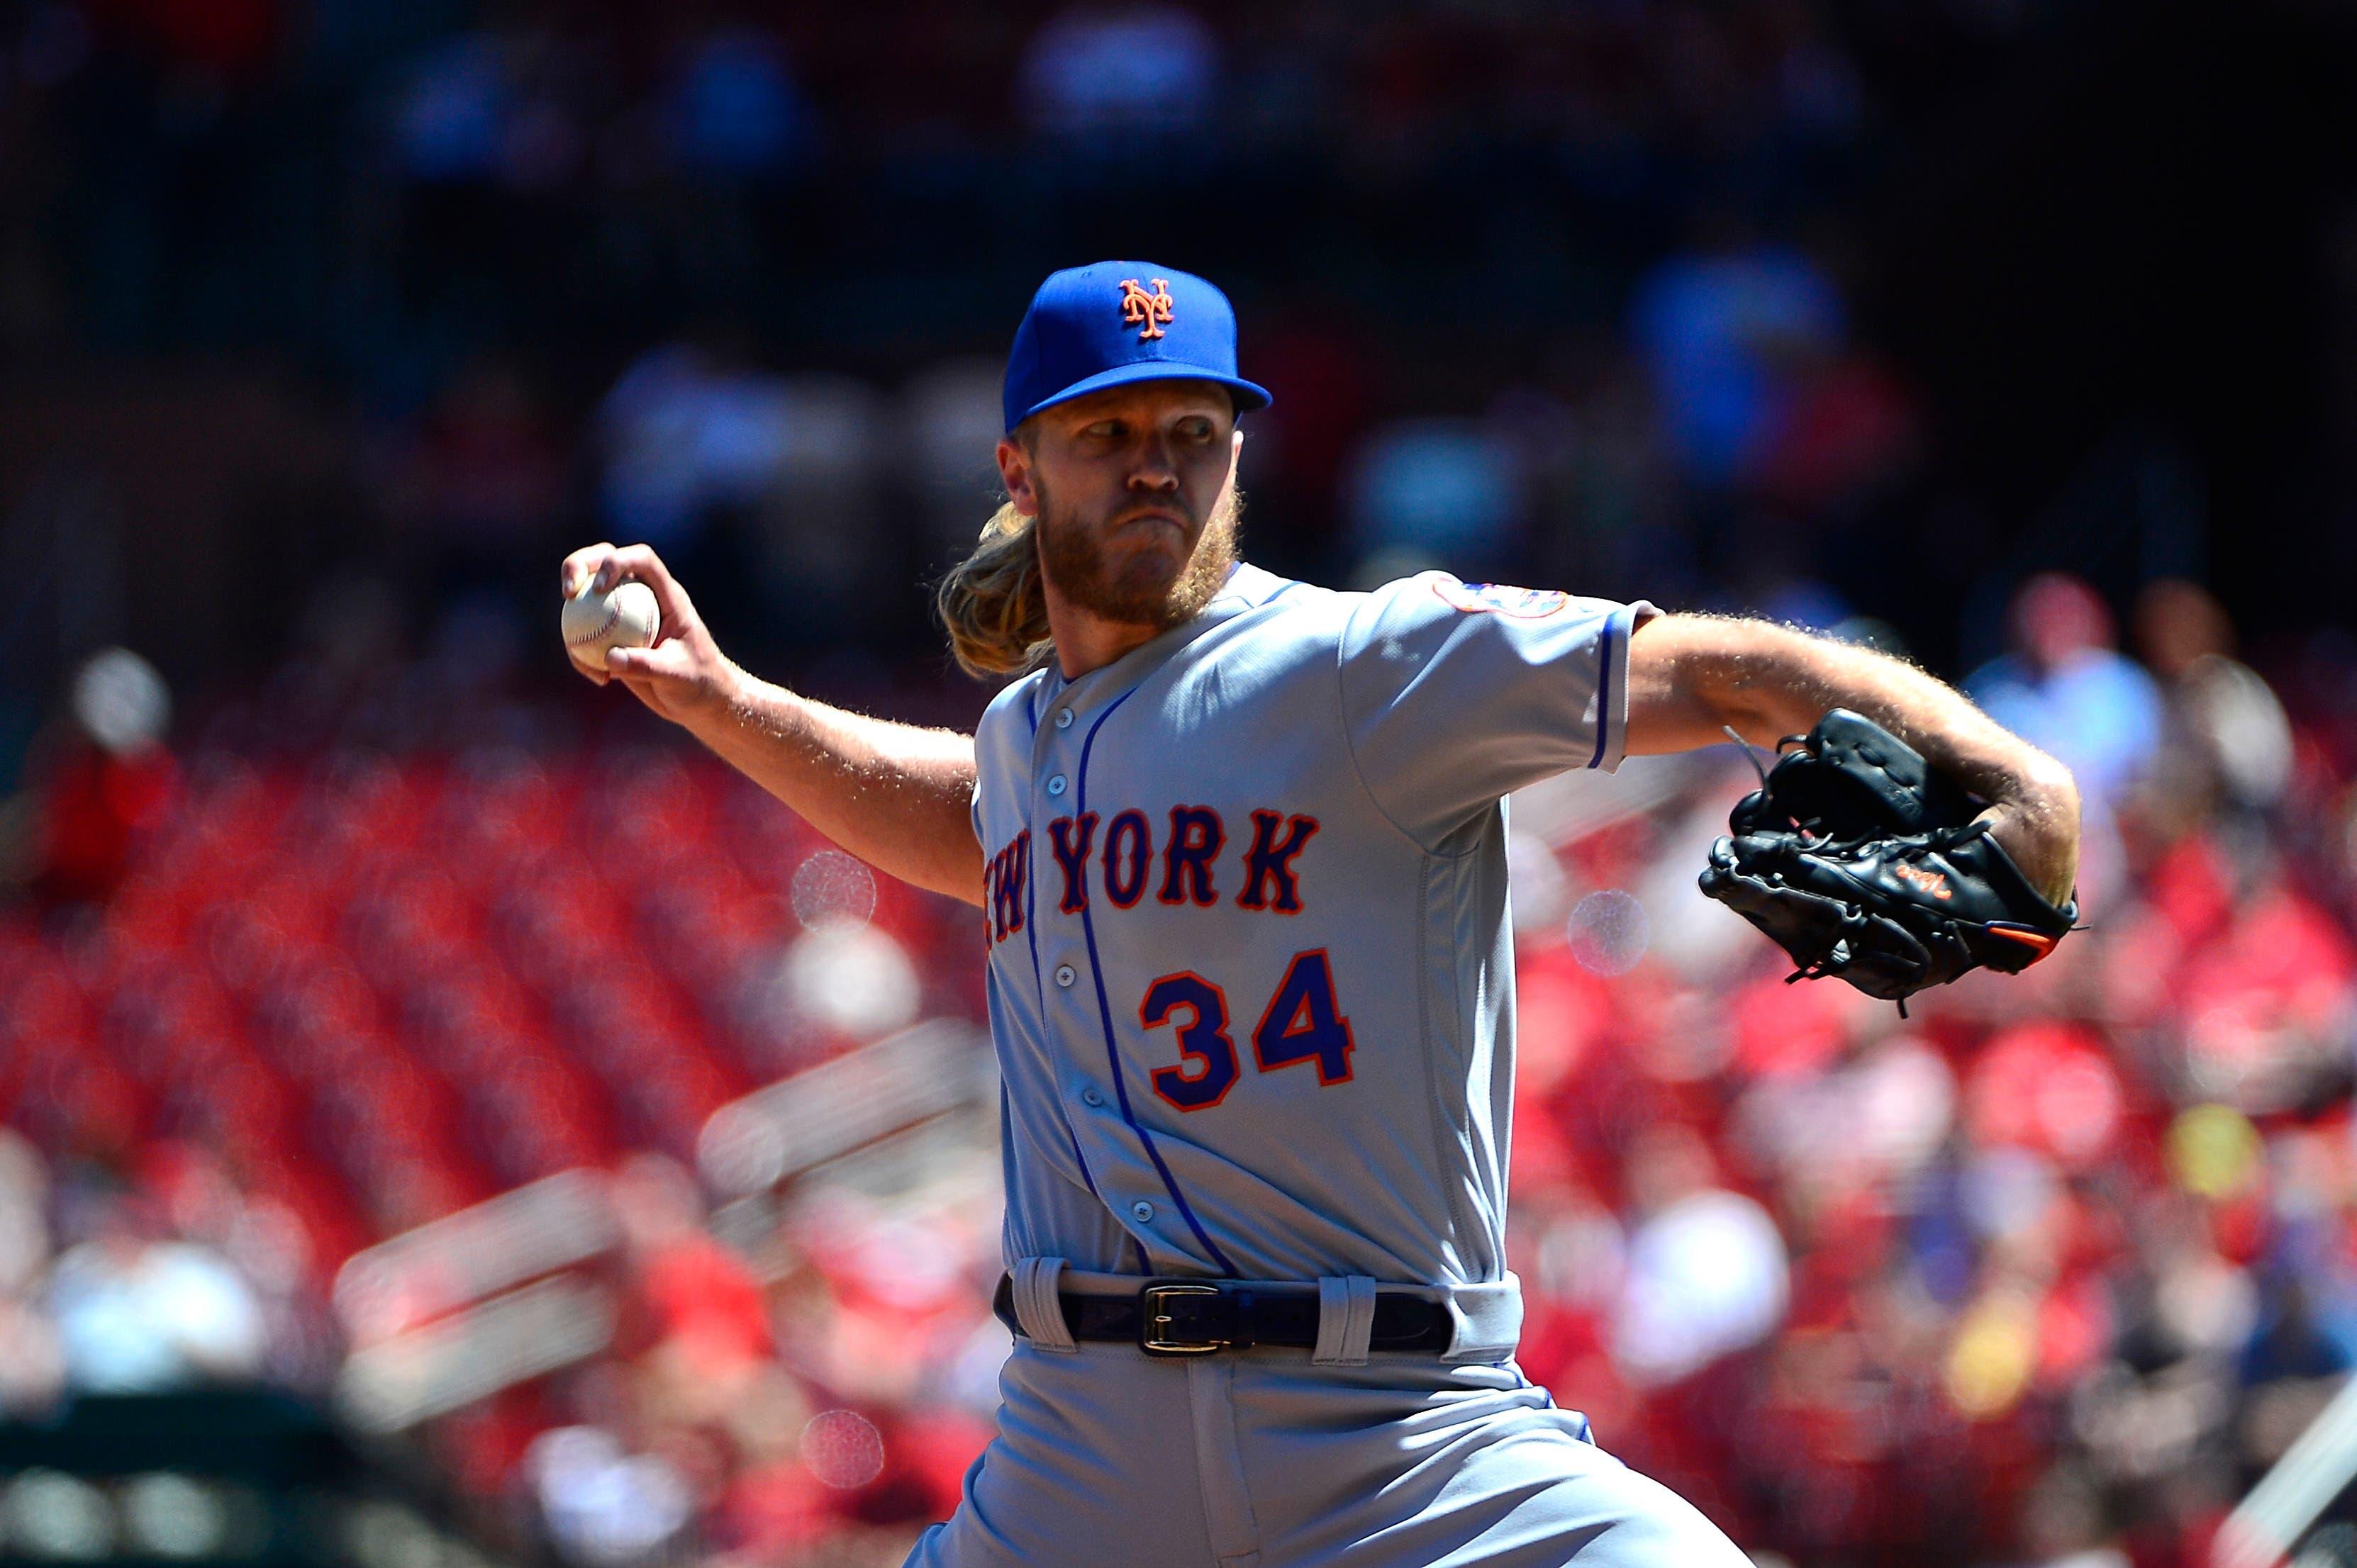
(832, 889)
(843, 1449)
(1609, 932)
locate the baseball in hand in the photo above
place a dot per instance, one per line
(626, 616)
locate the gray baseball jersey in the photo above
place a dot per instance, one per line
(1251, 984)
(1250, 971)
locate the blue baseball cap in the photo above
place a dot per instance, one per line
(1112, 322)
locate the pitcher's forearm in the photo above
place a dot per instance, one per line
(898, 796)
(1767, 682)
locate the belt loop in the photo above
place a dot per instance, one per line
(1346, 1320)
(1487, 1320)
(1037, 1306)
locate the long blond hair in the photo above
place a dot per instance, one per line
(992, 603)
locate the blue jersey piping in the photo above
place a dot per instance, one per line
(1604, 696)
(1105, 1014)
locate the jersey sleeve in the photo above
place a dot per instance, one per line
(1455, 693)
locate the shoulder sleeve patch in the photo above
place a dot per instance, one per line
(1497, 599)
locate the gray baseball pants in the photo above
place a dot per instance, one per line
(1259, 1459)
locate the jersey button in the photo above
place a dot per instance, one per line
(1064, 718)
(1090, 1097)
(1142, 1210)
(1066, 974)
(1056, 785)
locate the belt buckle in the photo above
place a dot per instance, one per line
(1151, 1319)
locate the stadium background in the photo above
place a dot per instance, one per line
(2020, 335)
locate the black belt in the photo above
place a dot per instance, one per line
(1195, 1318)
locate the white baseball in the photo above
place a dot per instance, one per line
(625, 617)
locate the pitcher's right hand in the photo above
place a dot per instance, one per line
(683, 676)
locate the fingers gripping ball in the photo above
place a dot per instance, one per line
(626, 616)
(1863, 861)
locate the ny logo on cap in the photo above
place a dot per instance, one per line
(1145, 311)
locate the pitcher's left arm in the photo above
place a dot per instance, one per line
(1692, 677)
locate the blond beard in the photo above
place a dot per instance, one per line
(1071, 561)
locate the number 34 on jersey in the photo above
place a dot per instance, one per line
(1302, 1023)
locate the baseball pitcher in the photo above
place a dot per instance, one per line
(1238, 847)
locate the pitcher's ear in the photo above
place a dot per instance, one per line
(1014, 474)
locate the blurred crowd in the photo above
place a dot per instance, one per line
(2046, 1273)
(371, 926)
(738, 281)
